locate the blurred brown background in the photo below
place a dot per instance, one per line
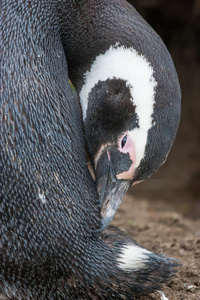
(178, 181)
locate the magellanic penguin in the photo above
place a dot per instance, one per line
(129, 93)
(51, 240)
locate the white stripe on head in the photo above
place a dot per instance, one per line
(126, 64)
(133, 257)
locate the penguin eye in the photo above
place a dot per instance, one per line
(123, 142)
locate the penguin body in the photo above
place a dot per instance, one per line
(51, 240)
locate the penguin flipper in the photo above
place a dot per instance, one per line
(131, 273)
(146, 271)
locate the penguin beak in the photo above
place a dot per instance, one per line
(111, 191)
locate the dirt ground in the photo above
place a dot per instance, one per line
(160, 227)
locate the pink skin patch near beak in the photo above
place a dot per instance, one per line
(128, 147)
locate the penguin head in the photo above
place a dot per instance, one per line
(131, 111)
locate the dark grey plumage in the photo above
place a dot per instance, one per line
(51, 245)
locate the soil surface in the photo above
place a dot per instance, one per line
(159, 227)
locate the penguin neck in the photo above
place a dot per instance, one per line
(90, 27)
(98, 26)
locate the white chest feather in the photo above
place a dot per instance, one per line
(133, 258)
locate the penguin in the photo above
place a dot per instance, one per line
(52, 242)
(129, 93)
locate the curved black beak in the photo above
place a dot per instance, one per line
(111, 191)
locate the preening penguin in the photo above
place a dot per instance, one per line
(51, 240)
(129, 93)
